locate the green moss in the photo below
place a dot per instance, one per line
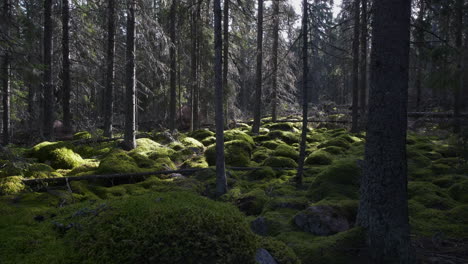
(315, 137)
(252, 203)
(201, 134)
(459, 191)
(262, 173)
(196, 162)
(237, 153)
(260, 154)
(334, 150)
(64, 158)
(82, 135)
(43, 151)
(280, 162)
(272, 144)
(447, 181)
(337, 142)
(41, 171)
(280, 251)
(155, 227)
(286, 151)
(430, 195)
(286, 136)
(176, 146)
(118, 161)
(209, 141)
(319, 157)
(235, 134)
(285, 126)
(326, 249)
(87, 168)
(9, 168)
(11, 185)
(193, 144)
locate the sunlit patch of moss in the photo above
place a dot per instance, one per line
(337, 142)
(193, 144)
(334, 150)
(9, 168)
(459, 191)
(176, 146)
(280, 162)
(64, 158)
(285, 136)
(285, 126)
(237, 153)
(272, 144)
(208, 141)
(235, 134)
(286, 151)
(196, 162)
(319, 157)
(145, 146)
(43, 151)
(41, 171)
(82, 135)
(201, 134)
(333, 249)
(315, 137)
(11, 185)
(118, 161)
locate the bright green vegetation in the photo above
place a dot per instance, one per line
(169, 218)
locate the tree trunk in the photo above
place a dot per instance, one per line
(459, 45)
(5, 75)
(66, 90)
(48, 97)
(226, 56)
(258, 73)
(129, 135)
(221, 182)
(383, 209)
(194, 118)
(419, 38)
(109, 92)
(172, 55)
(363, 84)
(305, 70)
(355, 117)
(274, 76)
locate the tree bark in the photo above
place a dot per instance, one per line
(305, 70)
(221, 182)
(459, 45)
(5, 76)
(172, 56)
(355, 106)
(274, 76)
(48, 97)
(109, 92)
(66, 89)
(383, 208)
(258, 73)
(363, 45)
(129, 135)
(226, 55)
(419, 37)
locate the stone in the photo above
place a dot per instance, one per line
(259, 226)
(264, 257)
(321, 220)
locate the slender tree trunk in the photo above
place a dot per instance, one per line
(274, 76)
(383, 209)
(419, 37)
(66, 90)
(194, 66)
(459, 45)
(221, 182)
(305, 101)
(258, 73)
(5, 76)
(363, 84)
(109, 92)
(226, 57)
(129, 135)
(355, 117)
(48, 97)
(172, 55)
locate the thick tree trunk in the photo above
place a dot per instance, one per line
(221, 182)
(355, 117)
(383, 209)
(305, 101)
(109, 92)
(48, 96)
(66, 89)
(172, 56)
(5, 76)
(363, 83)
(226, 57)
(274, 76)
(459, 45)
(129, 135)
(258, 73)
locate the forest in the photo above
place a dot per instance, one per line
(234, 131)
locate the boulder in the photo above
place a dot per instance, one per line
(321, 220)
(264, 257)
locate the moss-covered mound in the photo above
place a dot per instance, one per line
(237, 153)
(11, 185)
(82, 135)
(201, 134)
(64, 158)
(174, 227)
(280, 162)
(319, 157)
(286, 151)
(235, 134)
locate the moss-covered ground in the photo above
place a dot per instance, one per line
(176, 218)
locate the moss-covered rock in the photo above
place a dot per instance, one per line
(201, 134)
(64, 158)
(429, 195)
(286, 151)
(146, 146)
(260, 154)
(272, 144)
(208, 141)
(43, 151)
(285, 136)
(280, 162)
(337, 142)
(334, 150)
(196, 162)
(280, 251)
(41, 171)
(193, 144)
(252, 203)
(82, 135)
(9, 168)
(118, 162)
(459, 191)
(261, 173)
(156, 228)
(284, 126)
(235, 134)
(237, 153)
(319, 157)
(11, 185)
(176, 146)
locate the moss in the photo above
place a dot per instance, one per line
(118, 161)
(145, 146)
(82, 135)
(447, 181)
(459, 191)
(237, 153)
(319, 157)
(208, 141)
(285, 126)
(176, 146)
(260, 154)
(95, 149)
(261, 173)
(286, 136)
(286, 151)
(280, 251)
(11, 185)
(64, 158)
(235, 134)
(326, 249)
(252, 203)
(337, 142)
(315, 137)
(87, 168)
(280, 162)
(41, 171)
(201, 134)
(272, 144)
(9, 168)
(430, 195)
(43, 151)
(334, 150)
(193, 144)
(433, 155)
(156, 227)
(196, 162)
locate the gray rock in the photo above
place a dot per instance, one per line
(259, 226)
(321, 220)
(264, 257)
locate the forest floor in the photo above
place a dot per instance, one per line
(175, 218)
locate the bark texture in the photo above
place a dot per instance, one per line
(109, 90)
(129, 134)
(172, 58)
(274, 76)
(5, 76)
(48, 95)
(258, 73)
(363, 62)
(457, 103)
(355, 106)
(66, 82)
